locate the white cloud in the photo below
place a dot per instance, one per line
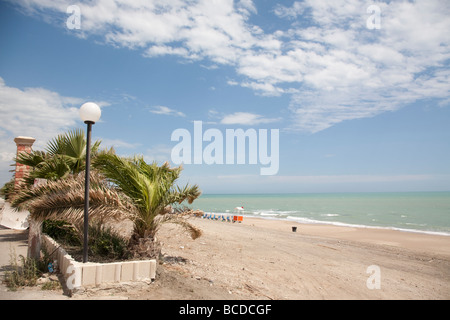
(246, 7)
(354, 72)
(36, 112)
(325, 58)
(118, 143)
(289, 12)
(246, 118)
(162, 50)
(33, 112)
(159, 153)
(232, 83)
(166, 111)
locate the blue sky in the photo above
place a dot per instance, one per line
(357, 108)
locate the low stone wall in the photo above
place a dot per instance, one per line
(78, 274)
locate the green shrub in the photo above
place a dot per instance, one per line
(62, 232)
(105, 242)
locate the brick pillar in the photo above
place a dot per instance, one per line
(23, 145)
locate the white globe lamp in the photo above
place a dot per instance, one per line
(90, 112)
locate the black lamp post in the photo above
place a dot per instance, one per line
(90, 113)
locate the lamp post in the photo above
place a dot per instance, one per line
(90, 113)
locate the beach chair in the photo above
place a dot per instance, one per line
(228, 219)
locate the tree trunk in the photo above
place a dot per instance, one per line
(34, 239)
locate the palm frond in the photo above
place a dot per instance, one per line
(57, 145)
(72, 146)
(54, 168)
(193, 231)
(188, 192)
(64, 199)
(32, 159)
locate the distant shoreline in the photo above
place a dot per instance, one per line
(417, 212)
(337, 224)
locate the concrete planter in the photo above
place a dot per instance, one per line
(78, 274)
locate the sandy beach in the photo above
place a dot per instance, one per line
(265, 259)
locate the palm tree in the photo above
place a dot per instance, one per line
(64, 155)
(63, 199)
(151, 188)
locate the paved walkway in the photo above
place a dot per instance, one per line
(11, 241)
(17, 240)
(14, 243)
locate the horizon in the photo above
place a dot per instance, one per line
(314, 193)
(358, 93)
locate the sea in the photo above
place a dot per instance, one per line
(424, 212)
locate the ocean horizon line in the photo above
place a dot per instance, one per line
(313, 193)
